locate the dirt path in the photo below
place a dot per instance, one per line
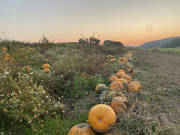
(163, 73)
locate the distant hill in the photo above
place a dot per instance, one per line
(163, 43)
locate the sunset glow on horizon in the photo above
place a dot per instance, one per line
(132, 22)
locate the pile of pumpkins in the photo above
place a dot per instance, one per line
(102, 117)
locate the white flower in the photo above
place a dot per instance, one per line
(6, 73)
(43, 91)
(2, 95)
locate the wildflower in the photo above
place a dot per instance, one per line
(5, 110)
(27, 68)
(2, 101)
(6, 73)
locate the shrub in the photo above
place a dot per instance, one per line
(23, 98)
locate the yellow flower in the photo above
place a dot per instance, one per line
(5, 110)
(27, 68)
(35, 116)
(2, 101)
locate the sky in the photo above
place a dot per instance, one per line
(132, 22)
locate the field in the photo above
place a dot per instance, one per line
(47, 88)
(175, 50)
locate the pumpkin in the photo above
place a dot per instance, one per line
(100, 87)
(101, 118)
(133, 87)
(127, 77)
(7, 58)
(112, 60)
(119, 104)
(4, 49)
(120, 74)
(113, 132)
(81, 129)
(110, 56)
(121, 59)
(123, 81)
(7, 55)
(138, 84)
(113, 78)
(46, 66)
(46, 70)
(121, 70)
(116, 86)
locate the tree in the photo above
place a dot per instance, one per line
(109, 42)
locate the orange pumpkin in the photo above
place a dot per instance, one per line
(110, 56)
(46, 70)
(138, 84)
(46, 66)
(127, 77)
(81, 129)
(121, 70)
(4, 49)
(120, 74)
(101, 118)
(121, 59)
(113, 78)
(133, 87)
(7, 55)
(112, 60)
(123, 81)
(7, 58)
(119, 104)
(116, 86)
